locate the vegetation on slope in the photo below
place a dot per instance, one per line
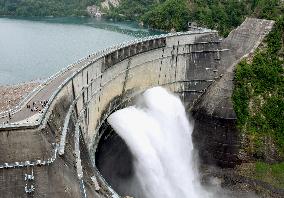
(128, 9)
(172, 14)
(45, 7)
(160, 14)
(221, 15)
(259, 96)
(132, 9)
(272, 174)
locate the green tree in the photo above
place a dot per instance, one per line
(168, 15)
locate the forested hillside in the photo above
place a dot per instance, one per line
(45, 7)
(258, 100)
(215, 14)
(132, 9)
(128, 9)
(161, 14)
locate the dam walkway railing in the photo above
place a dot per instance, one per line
(110, 56)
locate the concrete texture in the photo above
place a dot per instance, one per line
(215, 133)
(190, 64)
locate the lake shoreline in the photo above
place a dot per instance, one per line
(37, 48)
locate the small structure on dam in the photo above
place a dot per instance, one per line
(55, 153)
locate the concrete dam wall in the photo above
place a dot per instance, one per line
(65, 152)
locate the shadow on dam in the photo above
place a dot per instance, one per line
(114, 160)
(113, 157)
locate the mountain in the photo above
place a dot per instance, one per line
(222, 15)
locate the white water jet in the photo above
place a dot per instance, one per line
(158, 135)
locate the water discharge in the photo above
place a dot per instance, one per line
(158, 135)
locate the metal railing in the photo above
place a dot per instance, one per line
(89, 60)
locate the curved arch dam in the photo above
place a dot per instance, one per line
(69, 150)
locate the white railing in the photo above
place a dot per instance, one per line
(89, 60)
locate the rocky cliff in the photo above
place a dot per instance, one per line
(106, 4)
(216, 135)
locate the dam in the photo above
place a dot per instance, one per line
(63, 150)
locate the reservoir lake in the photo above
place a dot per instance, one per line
(32, 49)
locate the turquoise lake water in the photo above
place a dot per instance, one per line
(36, 48)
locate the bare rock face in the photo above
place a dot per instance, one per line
(93, 10)
(215, 134)
(106, 4)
